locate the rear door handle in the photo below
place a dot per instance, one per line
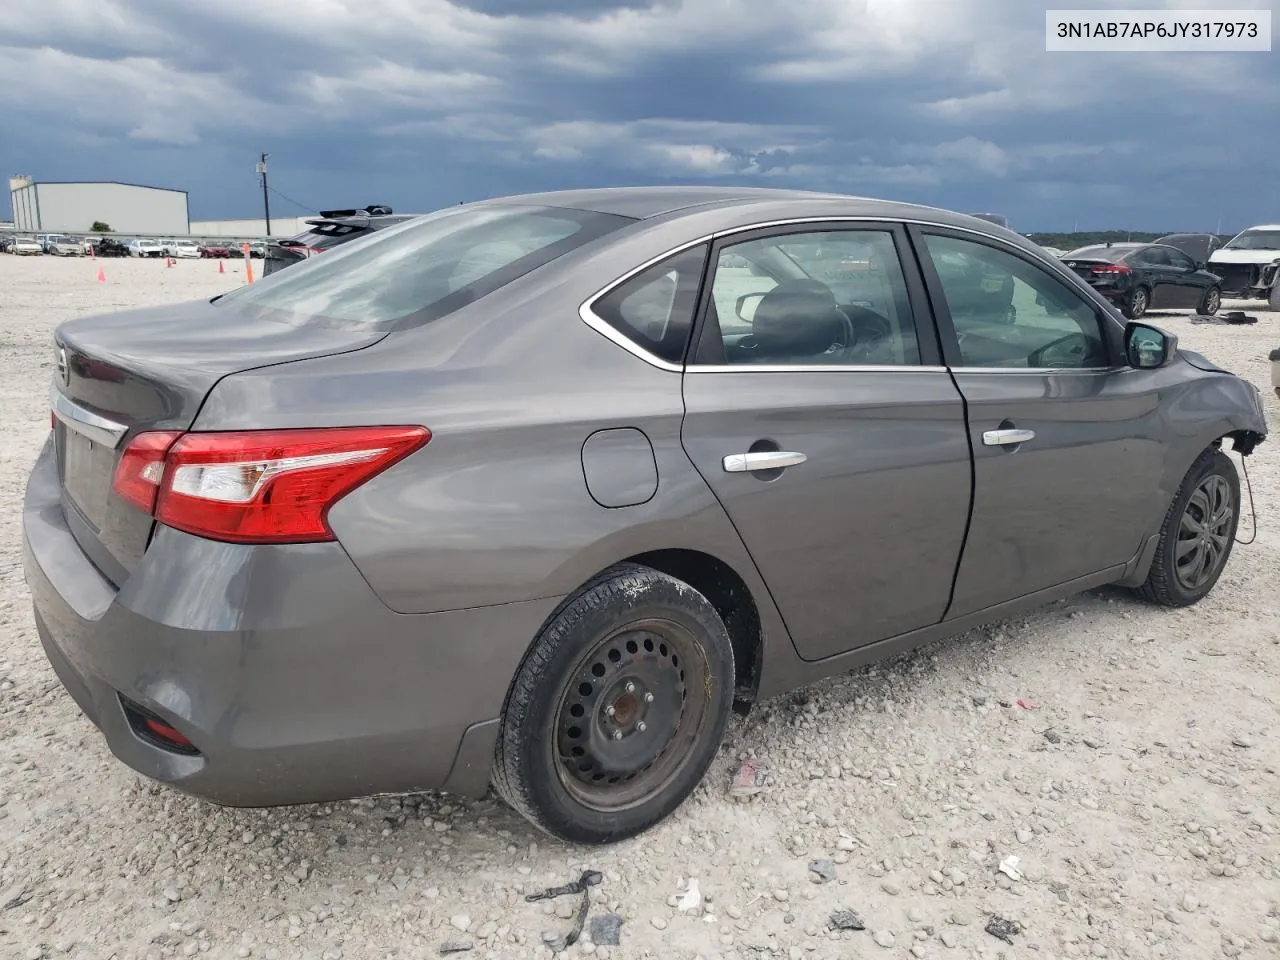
(1002, 438)
(762, 460)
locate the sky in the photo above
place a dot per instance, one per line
(420, 104)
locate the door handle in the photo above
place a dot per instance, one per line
(762, 460)
(1001, 438)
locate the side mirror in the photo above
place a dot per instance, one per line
(1147, 348)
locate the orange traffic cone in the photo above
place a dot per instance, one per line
(102, 277)
(169, 261)
(221, 268)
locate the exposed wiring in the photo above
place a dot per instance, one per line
(1253, 507)
(304, 206)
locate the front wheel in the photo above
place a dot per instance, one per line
(1137, 304)
(1198, 533)
(618, 708)
(1210, 302)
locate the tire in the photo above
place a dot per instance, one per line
(1211, 302)
(584, 774)
(1172, 581)
(1274, 299)
(1137, 304)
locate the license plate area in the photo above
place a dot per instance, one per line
(86, 469)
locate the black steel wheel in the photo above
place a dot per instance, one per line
(1210, 303)
(618, 708)
(1198, 533)
(1137, 304)
(634, 697)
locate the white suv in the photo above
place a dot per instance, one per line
(1249, 265)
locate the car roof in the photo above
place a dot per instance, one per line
(642, 203)
(1262, 226)
(719, 208)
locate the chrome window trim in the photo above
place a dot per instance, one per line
(811, 368)
(86, 422)
(1040, 371)
(598, 324)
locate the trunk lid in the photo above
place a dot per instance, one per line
(151, 369)
(1084, 266)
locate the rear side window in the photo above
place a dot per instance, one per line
(654, 309)
(426, 268)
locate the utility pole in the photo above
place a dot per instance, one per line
(266, 204)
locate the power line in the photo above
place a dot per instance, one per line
(306, 207)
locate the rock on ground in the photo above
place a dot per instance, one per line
(1148, 829)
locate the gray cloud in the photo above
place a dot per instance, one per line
(423, 102)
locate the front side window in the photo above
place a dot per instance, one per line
(424, 268)
(826, 298)
(1007, 312)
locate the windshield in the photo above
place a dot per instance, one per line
(427, 267)
(1255, 240)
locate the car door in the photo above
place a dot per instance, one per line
(1166, 291)
(817, 410)
(1066, 455)
(1189, 281)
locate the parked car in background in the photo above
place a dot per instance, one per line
(66, 247)
(1249, 264)
(184, 249)
(331, 229)
(110, 247)
(1198, 246)
(999, 219)
(498, 494)
(143, 247)
(26, 247)
(1138, 277)
(214, 248)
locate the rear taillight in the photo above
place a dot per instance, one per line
(257, 486)
(1111, 269)
(141, 468)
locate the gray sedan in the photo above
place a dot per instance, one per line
(533, 491)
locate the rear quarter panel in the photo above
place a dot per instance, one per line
(495, 509)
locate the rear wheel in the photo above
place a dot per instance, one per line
(1137, 303)
(1198, 533)
(618, 708)
(1210, 302)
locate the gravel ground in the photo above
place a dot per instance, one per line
(1126, 756)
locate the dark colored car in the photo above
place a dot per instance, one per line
(532, 490)
(1198, 246)
(331, 229)
(1138, 277)
(109, 247)
(215, 250)
(999, 219)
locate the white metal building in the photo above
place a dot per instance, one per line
(128, 208)
(250, 227)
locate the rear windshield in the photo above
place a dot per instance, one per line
(424, 268)
(1109, 254)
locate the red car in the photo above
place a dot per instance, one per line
(214, 250)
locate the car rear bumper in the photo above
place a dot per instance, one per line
(291, 679)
